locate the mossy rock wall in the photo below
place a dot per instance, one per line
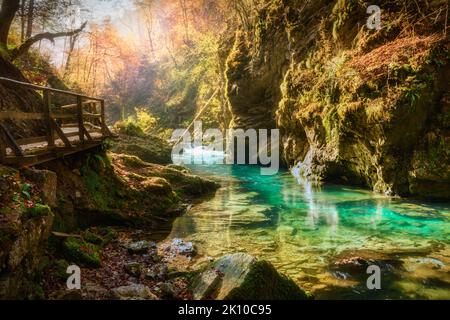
(354, 106)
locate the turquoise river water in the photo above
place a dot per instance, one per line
(314, 234)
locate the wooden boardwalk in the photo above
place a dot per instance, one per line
(69, 129)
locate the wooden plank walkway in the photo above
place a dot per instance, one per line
(69, 129)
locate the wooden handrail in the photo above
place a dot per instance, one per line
(36, 87)
(86, 113)
(74, 106)
(17, 115)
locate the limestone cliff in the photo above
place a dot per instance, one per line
(358, 106)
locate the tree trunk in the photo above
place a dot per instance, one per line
(185, 21)
(30, 19)
(22, 20)
(72, 41)
(7, 13)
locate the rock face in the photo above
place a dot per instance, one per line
(21, 255)
(25, 226)
(241, 277)
(46, 181)
(357, 106)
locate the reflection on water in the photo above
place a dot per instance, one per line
(304, 229)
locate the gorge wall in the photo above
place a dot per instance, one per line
(355, 106)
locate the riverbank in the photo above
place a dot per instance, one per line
(61, 213)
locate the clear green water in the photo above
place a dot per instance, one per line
(303, 230)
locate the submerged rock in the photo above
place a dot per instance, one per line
(355, 267)
(134, 292)
(180, 247)
(240, 276)
(206, 284)
(183, 248)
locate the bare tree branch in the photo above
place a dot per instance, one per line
(24, 47)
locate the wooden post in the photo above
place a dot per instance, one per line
(80, 119)
(47, 118)
(103, 118)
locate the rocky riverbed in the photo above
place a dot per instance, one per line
(132, 269)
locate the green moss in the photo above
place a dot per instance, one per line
(108, 234)
(147, 153)
(187, 184)
(341, 13)
(129, 128)
(38, 211)
(61, 266)
(95, 186)
(93, 238)
(101, 183)
(331, 123)
(263, 282)
(82, 252)
(179, 168)
(134, 162)
(4, 54)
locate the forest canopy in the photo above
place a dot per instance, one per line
(161, 58)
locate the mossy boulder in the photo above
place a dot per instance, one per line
(82, 252)
(188, 184)
(149, 149)
(240, 276)
(157, 186)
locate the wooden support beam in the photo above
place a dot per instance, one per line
(48, 119)
(60, 133)
(10, 141)
(87, 134)
(105, 129)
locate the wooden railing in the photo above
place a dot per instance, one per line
(76, 126)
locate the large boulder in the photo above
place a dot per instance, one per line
(240, 276)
